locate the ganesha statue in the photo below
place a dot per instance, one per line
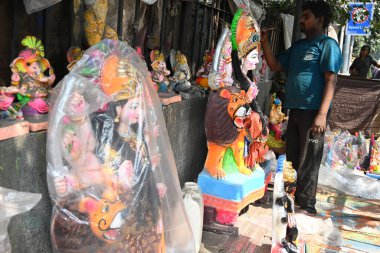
(33, 75)
(276, 119)
(180, 81)
(160, 73)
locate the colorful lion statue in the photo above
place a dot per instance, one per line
(229, 120)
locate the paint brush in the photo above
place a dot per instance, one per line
(268, 29)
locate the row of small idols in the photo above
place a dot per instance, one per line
(33, 76)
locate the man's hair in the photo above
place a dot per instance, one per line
(319, 8)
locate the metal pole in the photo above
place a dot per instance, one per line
(120, 19)
(296, 26)
(346, 52)
(350, 49)
(136, 22)
(163, 23)
(341, 39)
(195, 38)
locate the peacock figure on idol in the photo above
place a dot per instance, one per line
(235, 126)
(110, 169)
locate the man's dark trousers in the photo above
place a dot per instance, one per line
(305, 151)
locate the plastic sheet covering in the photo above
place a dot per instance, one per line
(343, 153)
(149, 1)
(193, 199)
(351, 182)
(111, 171)
(32, 6)
(321, 234)
(12, 203)
(271, 157)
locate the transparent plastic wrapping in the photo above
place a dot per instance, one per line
(150, 2)
(193, 199)
(351, 182)
(342, 155)
(32, 6)
(321, 234)
(343, 150)
(111, 171)
(12, 203)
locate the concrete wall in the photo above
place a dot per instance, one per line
(23, 168)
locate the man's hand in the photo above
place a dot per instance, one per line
(264, 37)
(272, 62)
(319, 124)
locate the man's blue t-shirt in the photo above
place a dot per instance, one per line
(306, 62)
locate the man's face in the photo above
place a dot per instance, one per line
(309, 23)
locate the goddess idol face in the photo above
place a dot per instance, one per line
(132, 112)
(251, 60)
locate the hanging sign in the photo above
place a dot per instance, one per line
(360, 18)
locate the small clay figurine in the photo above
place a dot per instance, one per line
(204, 70)
(7, 110)
(74, 54)
(285, 232)
(11, 119)
(33, 75)
(276, 118)
(140, 53)
(160, 74)
(180, 81)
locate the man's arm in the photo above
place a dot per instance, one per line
(319, 125)
(273, 64)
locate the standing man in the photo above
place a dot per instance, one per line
(312, 65)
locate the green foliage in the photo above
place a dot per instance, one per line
(275, 7)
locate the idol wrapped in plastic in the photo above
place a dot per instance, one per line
(111, 171)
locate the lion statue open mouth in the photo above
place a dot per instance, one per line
(106, 216)
(227, 109)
